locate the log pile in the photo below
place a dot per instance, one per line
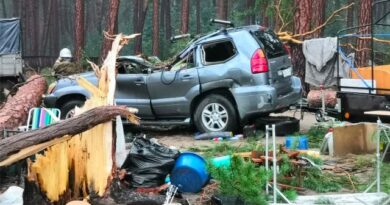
(15, 110)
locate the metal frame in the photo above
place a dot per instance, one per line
(380, 128)
(274, 186)
(371, 35)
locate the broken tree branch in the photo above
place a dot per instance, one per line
(69, 126)
(325, 23)
(292, 38)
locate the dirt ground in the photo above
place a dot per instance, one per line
(183, 137)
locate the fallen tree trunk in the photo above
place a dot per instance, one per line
(69, 126)
(15, 110)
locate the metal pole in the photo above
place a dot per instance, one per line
(266, 156)
(378, 163)
(274, 160)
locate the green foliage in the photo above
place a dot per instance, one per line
(364, 161)
(290, 194)
(227, 148)
(385, 178)
(316, 135)
(317, 181)
(242, 179)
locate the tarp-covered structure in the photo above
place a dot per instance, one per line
(10, 34)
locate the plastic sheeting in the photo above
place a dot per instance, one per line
(9, 36)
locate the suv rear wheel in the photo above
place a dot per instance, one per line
(215, 113)
(67, 109)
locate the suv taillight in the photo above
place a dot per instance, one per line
(259, 63)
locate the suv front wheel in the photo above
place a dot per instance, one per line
(215, 113)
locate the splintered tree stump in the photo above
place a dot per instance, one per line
(15, 110)
(76, 165)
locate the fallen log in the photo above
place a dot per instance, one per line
(71, 126)
(15, 110)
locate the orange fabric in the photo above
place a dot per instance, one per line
(381, 76)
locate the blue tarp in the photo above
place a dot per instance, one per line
(9, 36)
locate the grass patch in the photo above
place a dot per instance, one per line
(316, 135)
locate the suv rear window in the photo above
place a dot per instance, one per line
(272, 45)
(218, 52)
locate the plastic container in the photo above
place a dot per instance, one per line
(299, 142)
(190, 173)
(223, 161)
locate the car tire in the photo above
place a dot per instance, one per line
(215, 113)
(69, 107)
(283, 125)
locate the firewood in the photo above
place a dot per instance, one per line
(15, 110)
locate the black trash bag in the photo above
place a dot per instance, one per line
(148, 163)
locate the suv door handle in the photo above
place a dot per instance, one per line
(139, 81)
(187, 77)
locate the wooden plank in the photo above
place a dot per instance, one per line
(378, 113)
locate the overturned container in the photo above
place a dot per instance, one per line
(190, 173)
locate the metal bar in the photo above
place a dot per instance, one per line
(274, 161)
(363, 88)
(266, 156)
(378, 163)
(372, 51)
(369, 187)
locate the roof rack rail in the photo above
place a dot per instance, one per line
(223, 22)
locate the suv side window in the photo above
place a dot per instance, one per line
(272, 45)
(218, 52)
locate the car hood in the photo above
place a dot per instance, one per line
(72, 80)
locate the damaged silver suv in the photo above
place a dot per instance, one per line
(218, 83)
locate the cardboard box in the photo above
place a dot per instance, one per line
(354, 139)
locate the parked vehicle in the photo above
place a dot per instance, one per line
(219, 82)
(11, 63)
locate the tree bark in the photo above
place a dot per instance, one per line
(318, 16)
(184, 16)
(140, 16)
(111, 27)
(264, 16)
(222, 9)
(79, 29)
(198, 11)
(70, 126)
(168, 28)
(364, 45)
(15, 110)
(302, 18)
(155, 29)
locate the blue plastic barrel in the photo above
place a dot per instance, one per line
(299, 142)
(190, 173)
